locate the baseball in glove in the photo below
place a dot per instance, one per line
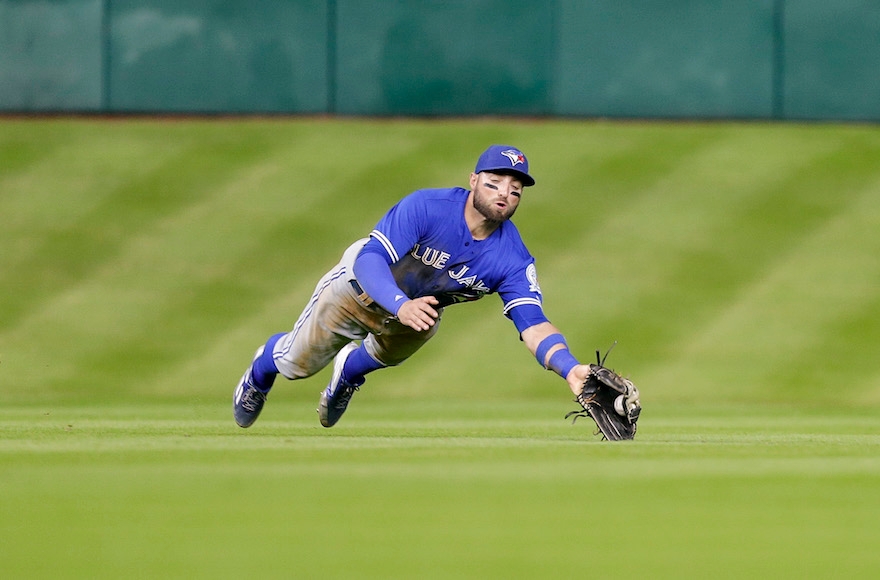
(611, 401)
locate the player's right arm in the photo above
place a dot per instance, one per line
(396, 233)
(373, 272)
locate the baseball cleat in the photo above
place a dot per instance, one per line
(335, 398)
(247, 400)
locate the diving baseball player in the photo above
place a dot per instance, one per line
(385, 298)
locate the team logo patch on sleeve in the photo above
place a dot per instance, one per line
(532, 276)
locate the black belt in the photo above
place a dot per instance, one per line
(361, 295)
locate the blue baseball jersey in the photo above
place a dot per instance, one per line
(432, 253)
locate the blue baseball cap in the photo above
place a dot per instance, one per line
(505, 160)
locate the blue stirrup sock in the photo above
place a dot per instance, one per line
(358, 364)
(264, 371)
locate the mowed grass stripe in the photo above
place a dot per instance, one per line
(199, 272)
(831, 301)
(73, 249)
(186, 256)
(652, 234)
(129, 281)
(673, 257)
(686, 251)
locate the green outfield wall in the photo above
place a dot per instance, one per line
(761, 59)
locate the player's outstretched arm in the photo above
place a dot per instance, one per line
(547, 344)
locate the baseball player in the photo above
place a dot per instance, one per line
(385, 298)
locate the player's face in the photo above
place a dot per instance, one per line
(496, 196)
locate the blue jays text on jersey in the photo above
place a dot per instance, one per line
(432, 252)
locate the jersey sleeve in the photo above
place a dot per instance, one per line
(399, 229)
(373, 274)
(521, 295)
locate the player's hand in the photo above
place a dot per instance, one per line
(577, 377)
(419, 313)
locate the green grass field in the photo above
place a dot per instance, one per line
(142, 261)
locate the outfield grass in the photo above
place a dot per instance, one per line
(399, 490)
(142, 261)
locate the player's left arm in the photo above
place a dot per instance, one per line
(548, 346)
(523, 306)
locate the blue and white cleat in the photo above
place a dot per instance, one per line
(335, 398)
(248, 400)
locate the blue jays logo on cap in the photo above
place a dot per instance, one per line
(505, 159)
(514, 156)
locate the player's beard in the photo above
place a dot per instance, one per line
(490, 211)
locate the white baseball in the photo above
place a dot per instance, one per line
(620, 405)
